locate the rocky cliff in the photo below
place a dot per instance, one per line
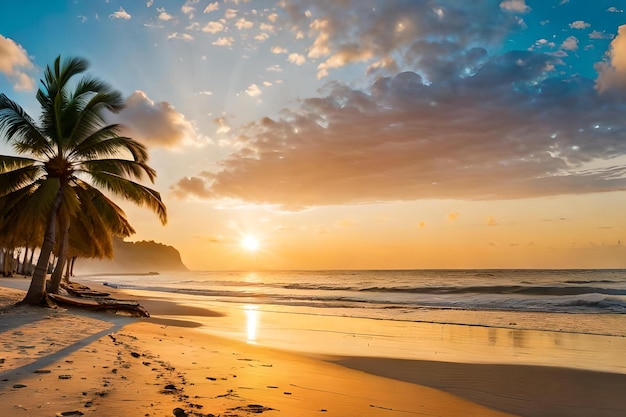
(135, 257)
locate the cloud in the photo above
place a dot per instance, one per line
(465, 122)
(481, 138)
(570, 44)
(244, 24)
(15, 64)
(518, 6)
(579, 24)
(224, 41)
(120, 14)
(297, 59)
(163, 15)
(253, 90)
(188, 8)
(211, 7)
(279, 50)
(612, 73)
(394, 34)
(596, 34)
(156, 124)
(190, 186)
(614, 9)
(181, 36)
(214, 27)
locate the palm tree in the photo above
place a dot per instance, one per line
(71, 148)
(91, 231)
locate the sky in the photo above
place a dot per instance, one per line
(357, 134)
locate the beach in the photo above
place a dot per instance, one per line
(222, 360)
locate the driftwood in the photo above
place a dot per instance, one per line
(84, 297)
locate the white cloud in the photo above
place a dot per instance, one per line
(614, 9)
(165, 16)
(120, 14)
(279, 50)
(253, 90)
(149, 3)
(261, 37)
(214, 27)
(224, 41)
(297, 59)
(15, 64)
(211, 7)
(180, 36)
(518, 6)
(230, 14)
(612, 73)
(244, 24)
(188, 8)
(274, 68)
(156, 124)
(266, 27)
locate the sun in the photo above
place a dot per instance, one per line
(250, 243)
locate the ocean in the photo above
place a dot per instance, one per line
(570, 318)
(395, 294)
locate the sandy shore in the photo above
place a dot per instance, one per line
(68, 362)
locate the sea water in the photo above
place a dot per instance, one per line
(546, 317)
(395, 294)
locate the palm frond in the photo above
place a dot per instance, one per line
(19, 178)
(8, 162)
(91, 96)
(70, 204)
(103, 144)
(95, 203)
(122, 167)
(17, 126)
(132, 191)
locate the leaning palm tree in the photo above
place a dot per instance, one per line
(91, 230)
(71, 146)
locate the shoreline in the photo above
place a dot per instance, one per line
(286, 381)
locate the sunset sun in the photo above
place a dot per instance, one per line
(250, 243)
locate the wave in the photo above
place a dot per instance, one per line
(580, 302)
(503, 289)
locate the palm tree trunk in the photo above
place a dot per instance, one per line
(30, 262)
(57, 274)
(72, 267)
(36, 294)
(7, 269)
(68, 269)
(23, 266)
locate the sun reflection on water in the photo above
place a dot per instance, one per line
(252, 318)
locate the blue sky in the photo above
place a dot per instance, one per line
(359, 121)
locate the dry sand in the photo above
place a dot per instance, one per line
(69, 362)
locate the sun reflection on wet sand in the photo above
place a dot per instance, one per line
(252, 319)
